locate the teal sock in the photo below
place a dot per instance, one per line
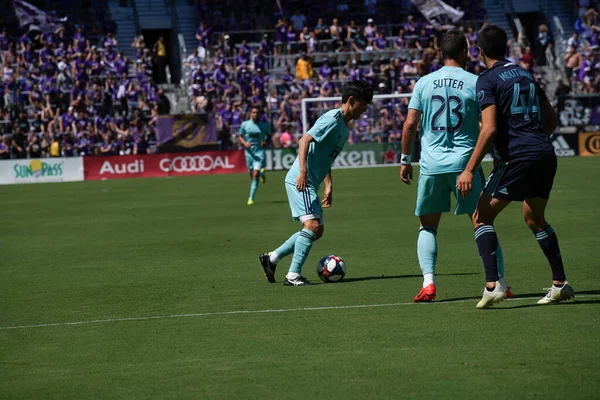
(427, 249)
(253, 188)
(287, 247)
(500, 258)
(302, 247)
(261, 172)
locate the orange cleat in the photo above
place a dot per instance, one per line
(426, 294)
(509, 294)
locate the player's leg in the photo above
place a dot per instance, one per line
(313, 229)
(533, 213)
(250, 165)
(427, 253)
(433, 198)
(254, 183)
(262, 171)
(302, 208)
(467, 206)
(486, 212)
(540, 178)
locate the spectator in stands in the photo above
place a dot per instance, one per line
(526, 59)
(298, 20)
(163, 105)
(34, 148)
(18, 142)
(203, 36)
(574, 40)
(281, 36)
(291, 38)
(572, 60)
(159, 52)
(370, 30)
(304, 68)
(321, 30)
(543, 42)
(380, 43)
(4, 148)
(561, 91)
(335, 32)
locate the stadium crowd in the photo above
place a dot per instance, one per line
(581, 57)
(70, 92)
(311, 58)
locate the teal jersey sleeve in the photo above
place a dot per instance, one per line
(243, 129)
(326, 124)
(330, 133)
(415, 99)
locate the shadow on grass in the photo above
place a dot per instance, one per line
(370, 278)
(534, 296)
(574, 302)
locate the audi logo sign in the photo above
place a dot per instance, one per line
(195, 163)
(167, 164)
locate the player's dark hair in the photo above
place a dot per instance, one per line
(257, 109)
(360, 90)
(492, 41)
(454, 45)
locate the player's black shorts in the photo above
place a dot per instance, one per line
(520, 180)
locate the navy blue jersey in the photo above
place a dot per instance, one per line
(520, 134)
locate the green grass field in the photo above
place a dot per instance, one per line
(151, 288)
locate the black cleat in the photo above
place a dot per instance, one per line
(299, 281)
(267, 266)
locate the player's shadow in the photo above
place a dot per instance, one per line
(383, 277)
(279, 202)
(574, 302)
(535, 296)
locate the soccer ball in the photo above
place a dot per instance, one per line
(331, 269)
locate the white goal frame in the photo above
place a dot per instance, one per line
(326, 99)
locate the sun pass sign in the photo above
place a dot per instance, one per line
(41, 170)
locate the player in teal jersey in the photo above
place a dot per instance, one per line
(445, 104)
(317, 150)
(253, 134)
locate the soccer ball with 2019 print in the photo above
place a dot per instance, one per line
(331, 268)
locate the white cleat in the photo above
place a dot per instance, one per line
(555, 294)
(489, 298)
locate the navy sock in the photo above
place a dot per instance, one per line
(549, 243)
(487, 242)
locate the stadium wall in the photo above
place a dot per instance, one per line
(227, 162)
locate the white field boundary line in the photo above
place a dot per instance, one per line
(237, 312)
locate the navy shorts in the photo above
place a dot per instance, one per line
(520, 180)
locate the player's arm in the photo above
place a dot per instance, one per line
(328, 193)
(303, 144)
(549, 117)
(409, 131)
(484, 142)
(241, 138)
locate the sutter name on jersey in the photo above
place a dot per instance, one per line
(453, 83)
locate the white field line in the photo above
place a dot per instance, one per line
(283, 310)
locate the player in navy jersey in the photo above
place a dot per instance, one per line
(518, 119)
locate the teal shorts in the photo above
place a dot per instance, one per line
(255, 160)
(433, 194)
(304, 205)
